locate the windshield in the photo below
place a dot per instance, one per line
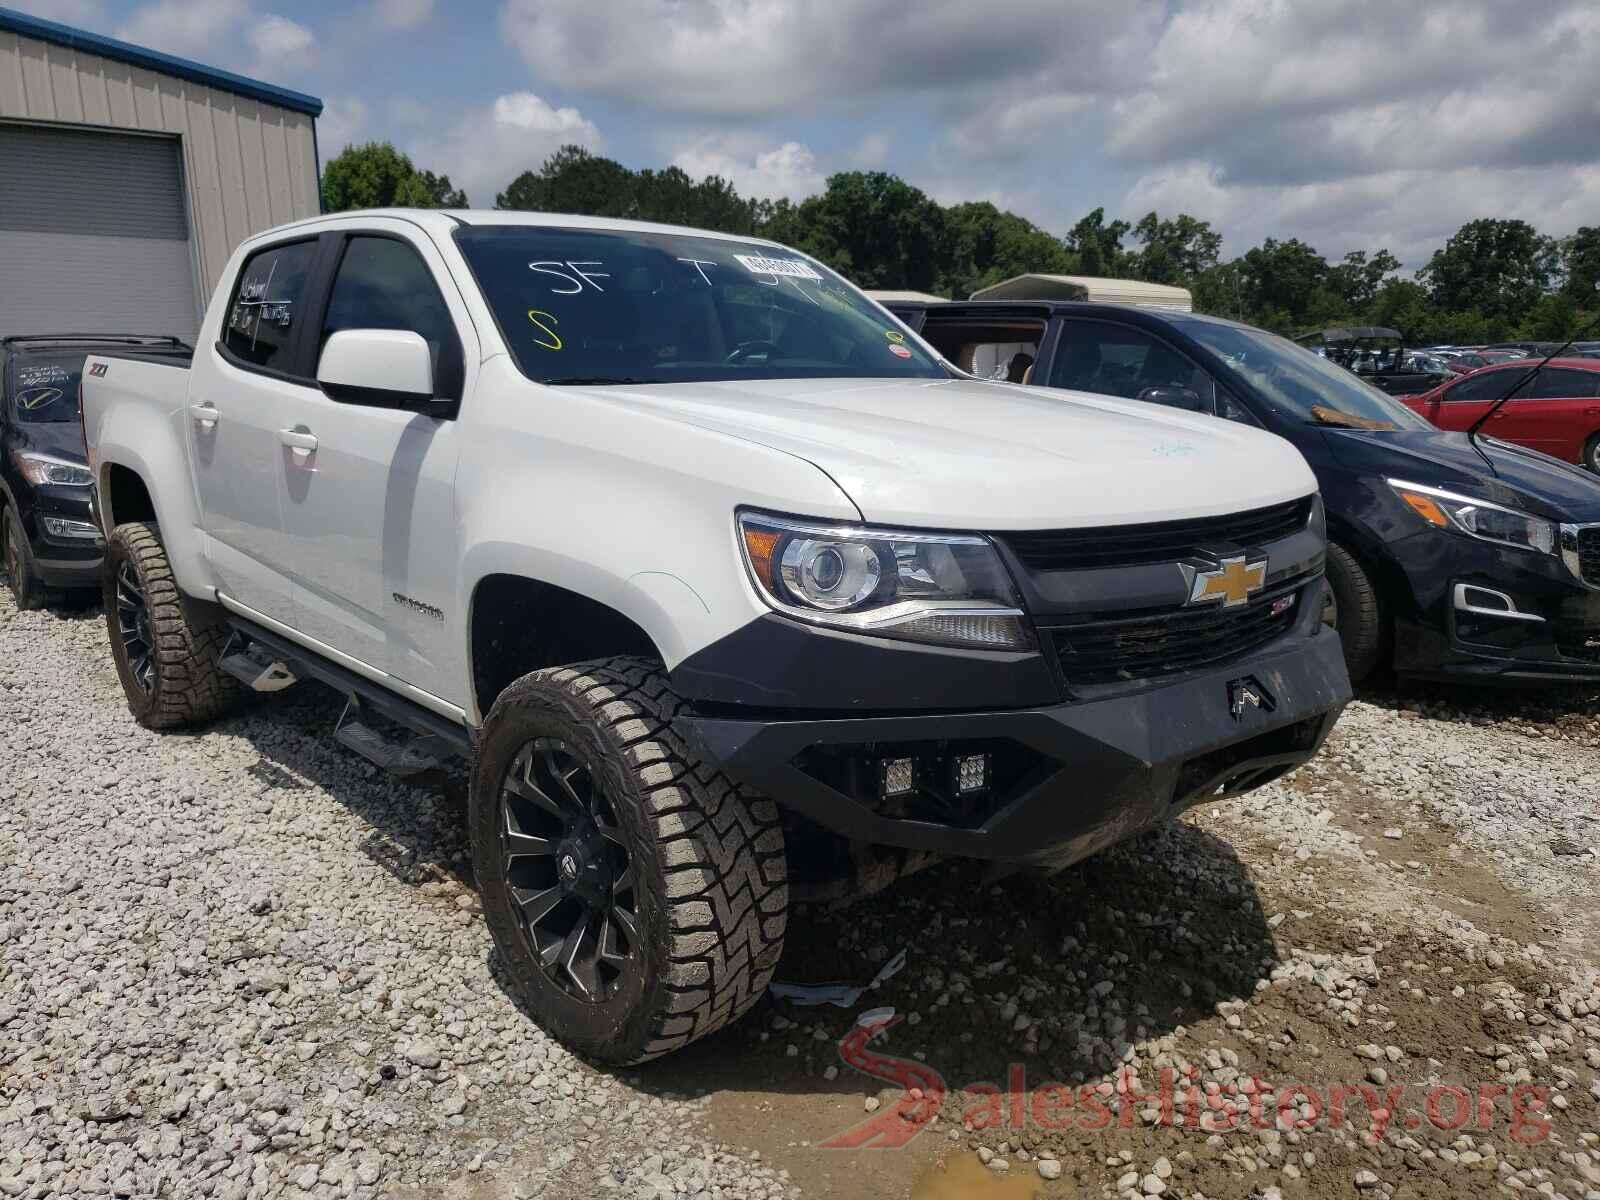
(1299, 383)
(44, 387)
(604, 306)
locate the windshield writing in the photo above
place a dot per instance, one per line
(45, 390)
(583, 306)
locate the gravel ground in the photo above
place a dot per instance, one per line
(243, 963)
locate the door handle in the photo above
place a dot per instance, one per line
(204, 415)
(298, 439)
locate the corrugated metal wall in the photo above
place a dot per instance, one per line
(247, 165)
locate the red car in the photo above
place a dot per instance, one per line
(1558, 412)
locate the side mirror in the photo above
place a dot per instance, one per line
(1174, 397)
(388, 367)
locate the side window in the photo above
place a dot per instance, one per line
(1484, 385)
(267, 301)
(383, 283)
(1561, 383)
(1118, 360)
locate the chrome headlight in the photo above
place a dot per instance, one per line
(1478, 518)
(950, 589)
(40, 469)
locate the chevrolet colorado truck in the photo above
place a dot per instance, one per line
(728, 587)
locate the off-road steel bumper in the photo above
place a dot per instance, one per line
(1066, 779)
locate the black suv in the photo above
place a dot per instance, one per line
(48, 537)
(1449, 557)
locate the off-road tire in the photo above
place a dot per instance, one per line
(708, 856)
(187, 685)
(17, 557)
(1362, 622)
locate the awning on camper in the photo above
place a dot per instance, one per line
(1088, 287)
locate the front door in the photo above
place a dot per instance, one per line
(236, 409)
(369, 491)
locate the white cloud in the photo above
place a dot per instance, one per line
(195, 28)
(487, 148)
(525, 111)
(871, 153)
(400, 15)
(228, 33)
(342, 123)
(789, 170)
(756, 58)
(280, 42)
(89, 14)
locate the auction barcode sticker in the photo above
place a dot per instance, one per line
(791, 267)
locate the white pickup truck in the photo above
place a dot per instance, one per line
(729, 588)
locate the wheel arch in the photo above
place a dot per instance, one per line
(517, 623)
(124, 493)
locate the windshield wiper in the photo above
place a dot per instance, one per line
(593, 380)
(1522, 380)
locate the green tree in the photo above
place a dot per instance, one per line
(1098, 246)
(876, 230)
(377, 175)
(1283, 285)
(1176, 251)
(1499, 268)
(1357, 279)
(444, 196)
(572, 180)
(1581, 258)
(985, 245)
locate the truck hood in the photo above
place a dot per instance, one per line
(968, 454)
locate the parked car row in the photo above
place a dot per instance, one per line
(1450, 556)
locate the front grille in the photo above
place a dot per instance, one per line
(1589, 555)
(1170, 641)
(1158, 541)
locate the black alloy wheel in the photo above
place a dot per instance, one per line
(568, 870)
(133, 626)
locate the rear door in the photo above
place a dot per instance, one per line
(369, 495)
(239, 401)
(1561, 413)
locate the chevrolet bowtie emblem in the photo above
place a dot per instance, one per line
(1233, 582)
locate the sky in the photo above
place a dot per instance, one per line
(1350, 124)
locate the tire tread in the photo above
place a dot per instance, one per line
(190, 687)
(719, 849)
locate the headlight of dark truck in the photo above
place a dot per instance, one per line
(949, 589)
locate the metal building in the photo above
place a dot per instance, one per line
(127, 177)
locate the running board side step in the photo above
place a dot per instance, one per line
(400, 756)
(258, 671)
(432, 739)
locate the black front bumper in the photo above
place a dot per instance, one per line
(60, 561)
(1104, 769)
(1555, 640)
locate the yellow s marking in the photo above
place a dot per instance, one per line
(555, 338)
